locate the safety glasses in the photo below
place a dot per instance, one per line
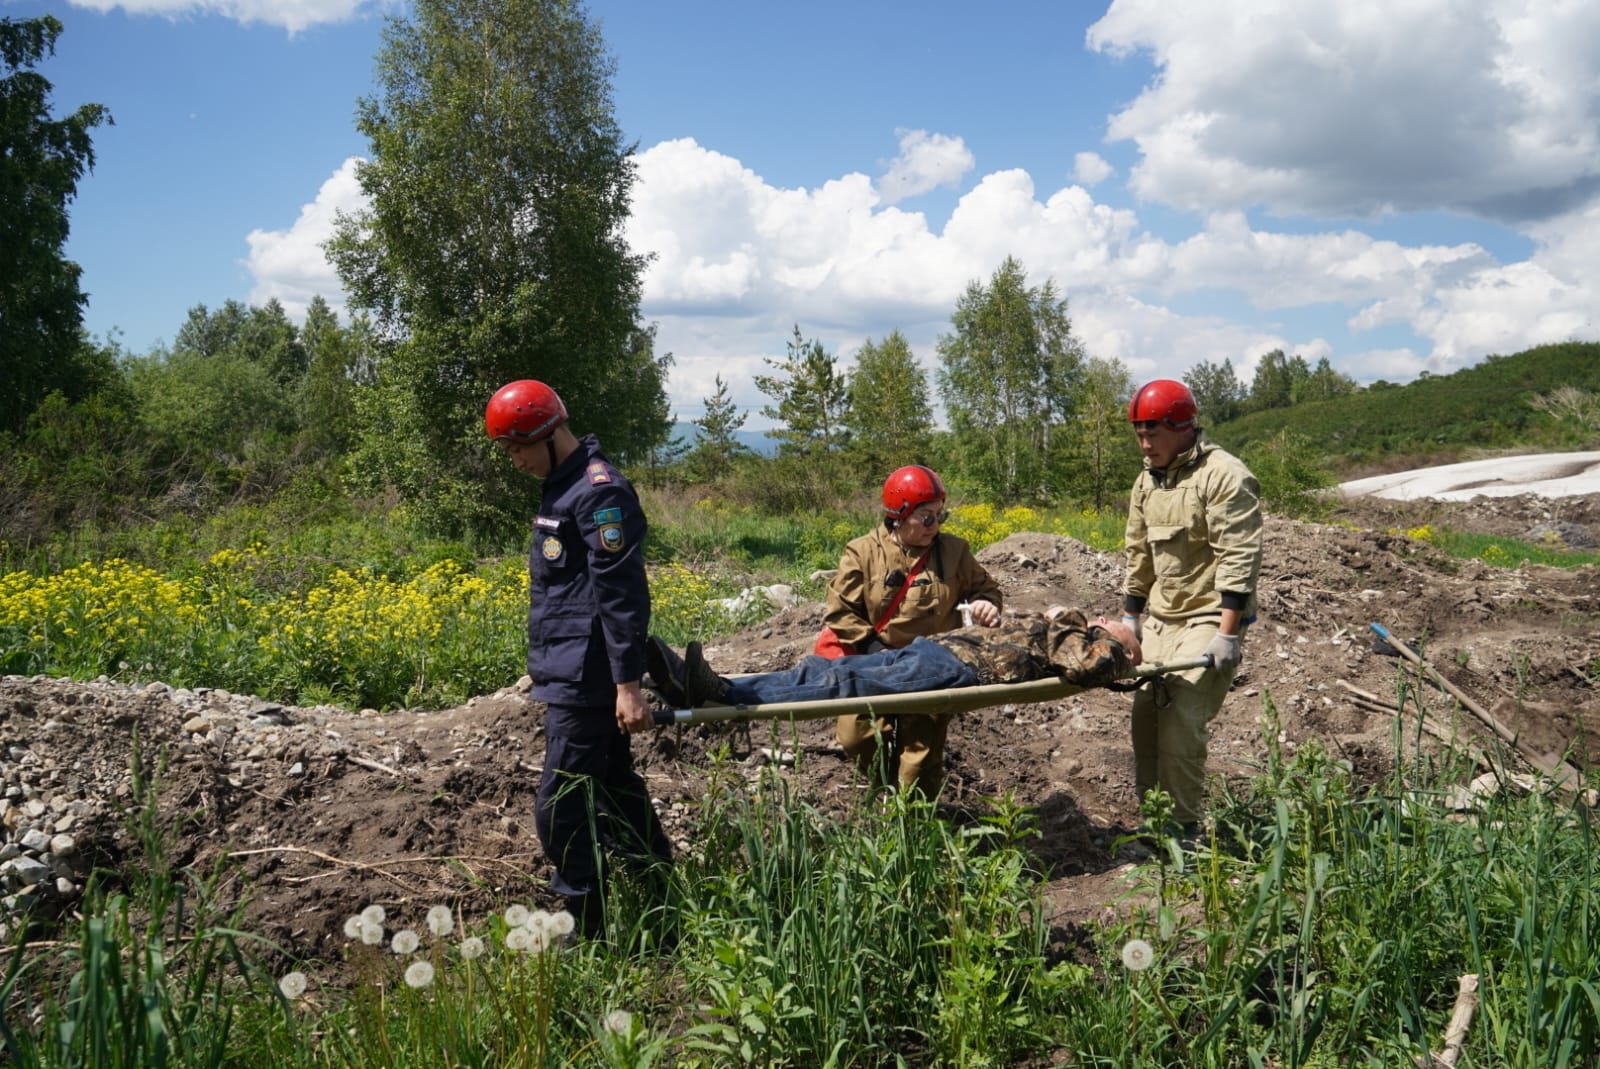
(929, 519)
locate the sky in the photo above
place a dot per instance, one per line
(1400, 186)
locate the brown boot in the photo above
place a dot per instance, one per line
(701, 686)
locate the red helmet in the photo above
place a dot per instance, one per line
(1166, 400)
(524, 411)
(908, 488)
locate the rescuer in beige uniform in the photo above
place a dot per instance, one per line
(876, 567)
(1193, 545)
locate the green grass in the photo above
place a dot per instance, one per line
(1511, 553)
(1499, 551)
(1322, 922)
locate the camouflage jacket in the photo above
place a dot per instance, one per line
(1068, 647)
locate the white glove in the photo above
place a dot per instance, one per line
(1224, 652)
(1135, 622)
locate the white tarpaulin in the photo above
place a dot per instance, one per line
(1550, 475)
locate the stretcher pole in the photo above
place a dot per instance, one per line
(954, 700)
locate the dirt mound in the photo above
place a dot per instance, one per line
(326, 810)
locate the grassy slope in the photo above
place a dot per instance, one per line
(1439, 418)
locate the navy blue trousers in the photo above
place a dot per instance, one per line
(923, 665)
(592, 802)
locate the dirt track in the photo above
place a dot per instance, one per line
(328, 810)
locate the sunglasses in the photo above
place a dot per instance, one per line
(929, 519)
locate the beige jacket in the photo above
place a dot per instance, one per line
(1193, 541)
(858, 594)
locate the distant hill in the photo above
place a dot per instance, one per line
(1442, 416)
(755, 441)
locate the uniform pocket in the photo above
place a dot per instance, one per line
(1168, 544)
(558, 648)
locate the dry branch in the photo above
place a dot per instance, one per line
(1567, 779)
(1455, 1033)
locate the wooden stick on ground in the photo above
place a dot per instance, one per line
(1455, 1033)
(1567, 778)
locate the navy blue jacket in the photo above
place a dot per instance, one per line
(588, 598)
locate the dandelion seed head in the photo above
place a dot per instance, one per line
(292, 984)
(374, 914)
(517, 915)
(538, 940)
(405, 941)
(561, 923)
(517, 938)
(353, 925)
(471, 947)
(440, 922)
(537, 922)
(1137, 955)
(371, 934)
(419, 974)
(619, 1023)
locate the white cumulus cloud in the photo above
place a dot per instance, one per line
(290, 264)
(926, 162)
(1364, 106)
(292, 15)
(1091, 168)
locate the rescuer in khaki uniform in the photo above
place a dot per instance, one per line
(933, 574)
(1193, 545)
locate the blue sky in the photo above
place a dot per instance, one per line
(1398, 186)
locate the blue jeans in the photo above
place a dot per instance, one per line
(923, 665)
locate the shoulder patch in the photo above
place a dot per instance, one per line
(599, 473)
(605, 516)
(611, 539)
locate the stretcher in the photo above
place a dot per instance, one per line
(952, 700)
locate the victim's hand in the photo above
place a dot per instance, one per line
(986, 613)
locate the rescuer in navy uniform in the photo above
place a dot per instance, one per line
(588, 617)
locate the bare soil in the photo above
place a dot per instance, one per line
(320, 811)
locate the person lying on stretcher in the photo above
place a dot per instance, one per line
(1059, 642)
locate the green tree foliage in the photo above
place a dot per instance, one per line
(492, 249)
(1323, 383)
(1217, 391)
(715, 451)
(218, 416)
(41, 161)
(1437, 417)
(1291, 470)
(1276, 378)
(75, 463)
(261, 335)
(1108, 458)
(1010, 369)
(324, 401)
(1575, 412)
(812, 396)
(889, 417)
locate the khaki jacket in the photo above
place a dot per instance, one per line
(1194, 536)
(858, 595)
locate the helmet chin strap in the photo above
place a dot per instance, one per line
(550, 448)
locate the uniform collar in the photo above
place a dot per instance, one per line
(1186, 459)
(588, 449)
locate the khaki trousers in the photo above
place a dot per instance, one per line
(916, 749)
(1171, 716)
